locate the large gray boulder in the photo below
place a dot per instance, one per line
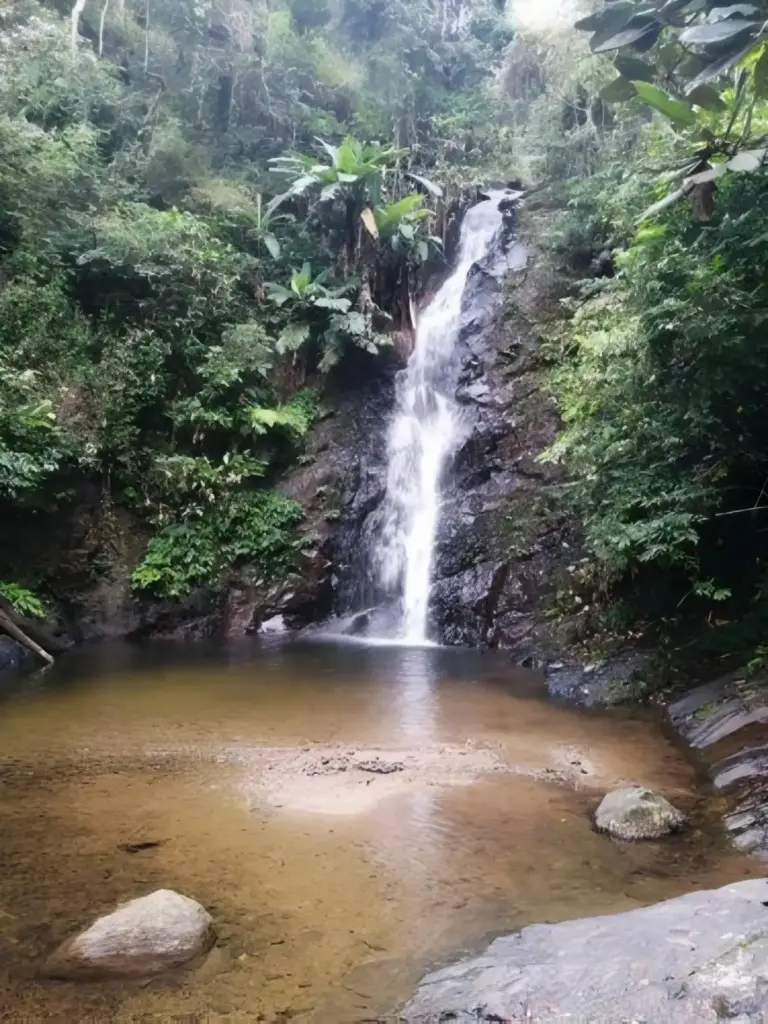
(139, 939)
(636, 813)
(696, 959)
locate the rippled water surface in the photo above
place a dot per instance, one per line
(348, 814)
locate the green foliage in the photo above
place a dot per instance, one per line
(659, 389)
(21, 599)
(353, 169)
(257, 527)
(705, 68)
(143, 218)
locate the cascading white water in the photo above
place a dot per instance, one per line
(424, 432)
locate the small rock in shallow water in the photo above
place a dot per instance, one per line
(637, 813)
(139, 939)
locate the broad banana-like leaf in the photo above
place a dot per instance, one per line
(326, 302)
(612, 18)
(760, 73)
(748, 160)
(710, 174)
(641, 33)
(369, 220)
(272, 245)
(706, 97)
(273, 204)
(716, 32)
(665, 203)
(430, 186)
(617, 91)
(675, 110)
(292, 337)
(634, 69)
(717, 67)
(329, 149)
(278, 294)
(348, 156)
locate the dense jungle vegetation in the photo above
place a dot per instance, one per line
(214, 214)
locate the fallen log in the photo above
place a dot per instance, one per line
(15, 633)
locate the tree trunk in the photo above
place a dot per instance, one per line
(9, 626)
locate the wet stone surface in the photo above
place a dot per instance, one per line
(727, 721)
(699, 958)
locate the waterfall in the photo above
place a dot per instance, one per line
(425, 430)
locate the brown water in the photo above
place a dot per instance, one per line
(333, 886)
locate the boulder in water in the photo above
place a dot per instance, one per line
(636, 813)
(143, 937)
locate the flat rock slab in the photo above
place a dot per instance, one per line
(699, 958)
(727, 720)
(141, 938)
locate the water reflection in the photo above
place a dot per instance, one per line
(415, 695)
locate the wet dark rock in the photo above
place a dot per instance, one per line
(696, 959)
(635, 812)
(13, 657)
(619, 680)
(141, 938)
(727, 721)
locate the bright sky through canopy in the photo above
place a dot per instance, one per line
(543, 14)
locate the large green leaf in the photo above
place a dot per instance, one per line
(292, 337)
(641, 33)
(272, 245)
(617, 91)
(761, 74)
(747, 160)
(634, 69)
(369, 220)
(332, 151)
(348, 157)
(721, 64)
(665, 203)
(328, 302)
(706, 97)
(430, 186)
(675, 110)
(716, 32)
(611, 19)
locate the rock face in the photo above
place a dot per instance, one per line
(637, 813)
(727, 721)
(500, 539)
(700, 958)
(139, 939)
(12, 656)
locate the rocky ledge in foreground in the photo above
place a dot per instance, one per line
(698, 958)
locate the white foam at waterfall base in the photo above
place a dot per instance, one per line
(424, 432)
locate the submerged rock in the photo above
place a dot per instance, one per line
(141, 938)
(637, 813)
(696, 959)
